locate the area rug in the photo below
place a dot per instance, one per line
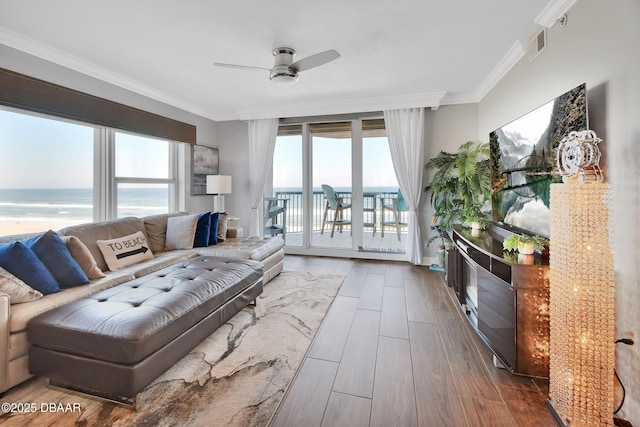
(235, 377)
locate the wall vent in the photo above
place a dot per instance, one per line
(537, 44)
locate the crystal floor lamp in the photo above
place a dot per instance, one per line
(218, 185)
(582, 288)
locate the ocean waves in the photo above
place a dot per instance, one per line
(69, 205)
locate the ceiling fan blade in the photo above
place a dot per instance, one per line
(315, 60)
(242, 67)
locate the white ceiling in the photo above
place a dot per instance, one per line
(395, 53)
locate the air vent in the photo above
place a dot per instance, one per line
(537, 44)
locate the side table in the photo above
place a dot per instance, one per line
(233, 227)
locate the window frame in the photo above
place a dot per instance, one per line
(105, 181)
(172, 179)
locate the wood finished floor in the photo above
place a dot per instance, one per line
(394, 350)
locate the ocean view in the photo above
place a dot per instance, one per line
(76, 204)
(337, 189)
(27, 210)
(294, 205)
(56, 208)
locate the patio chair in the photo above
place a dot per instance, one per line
(275, 217)
(396, 205)
(338, 206)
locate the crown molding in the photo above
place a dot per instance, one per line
(420, 100)
(431, 100)
(56, 56)
(553, 11)
(459, 98)
(59, 57)
(510, 59)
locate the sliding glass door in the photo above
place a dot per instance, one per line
(340, 187)
(288, 163)
(331, 146)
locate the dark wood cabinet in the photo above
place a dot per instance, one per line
(506, 299)
(451, 274)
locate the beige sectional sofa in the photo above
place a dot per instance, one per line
(14, 318)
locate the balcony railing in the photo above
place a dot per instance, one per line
(372, 206)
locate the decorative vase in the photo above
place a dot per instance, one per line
(526, 248)
(475, 225)
(441, 254)
(526, 259)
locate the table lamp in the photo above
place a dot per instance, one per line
(218, 185)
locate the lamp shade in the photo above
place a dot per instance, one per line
(218, 184)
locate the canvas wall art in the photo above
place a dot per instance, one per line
(205, 161)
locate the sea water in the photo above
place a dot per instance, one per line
(67, 206)
(75, 205)
(372, 197)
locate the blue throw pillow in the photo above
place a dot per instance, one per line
(203, 230)
(23, 263)
(55, 255)
(213, 235)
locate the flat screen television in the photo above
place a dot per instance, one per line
(523, 159)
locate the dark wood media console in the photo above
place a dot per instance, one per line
(506, 299)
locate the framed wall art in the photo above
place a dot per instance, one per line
(204, 161)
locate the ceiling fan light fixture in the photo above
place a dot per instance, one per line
(283, 76)
(285, 71)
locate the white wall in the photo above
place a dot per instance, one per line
(233, 143)
(599, 46)
(21, 62)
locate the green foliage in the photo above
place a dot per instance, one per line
(443, 236)
(474, 213)
(494, 148)
(512, 242)
(461, 184)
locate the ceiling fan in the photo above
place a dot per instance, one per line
(284, 69)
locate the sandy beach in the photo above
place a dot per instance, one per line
(22, 227)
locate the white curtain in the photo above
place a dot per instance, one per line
(405, 131)
(262, 142)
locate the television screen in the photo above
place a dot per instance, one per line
(523, 159)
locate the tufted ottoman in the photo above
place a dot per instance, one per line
(114, 343)
(268, 251)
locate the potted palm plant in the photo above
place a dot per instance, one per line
(474, 217)
(443, 246)
(460, 186)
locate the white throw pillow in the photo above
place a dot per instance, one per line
(124, 251)
(181, 230)
(17, 290)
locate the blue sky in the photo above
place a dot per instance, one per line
(42, 153)
(36, 152)
(332, 162)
